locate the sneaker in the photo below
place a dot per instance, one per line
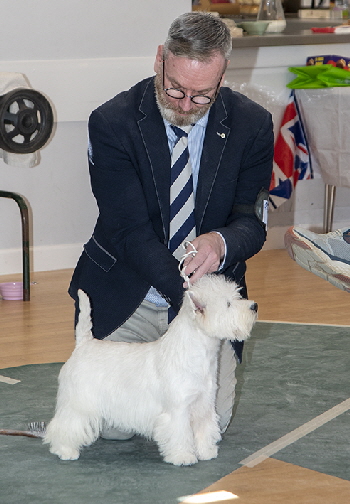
(326, 255)
(115, 434)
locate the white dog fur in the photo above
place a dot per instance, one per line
(164, 389)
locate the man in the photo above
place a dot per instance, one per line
(129, 267)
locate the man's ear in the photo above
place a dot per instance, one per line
(223, 75)
(159, 59)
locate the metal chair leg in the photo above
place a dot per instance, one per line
(329, 197)
(25, 239)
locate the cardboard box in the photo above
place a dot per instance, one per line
(231, 8)
(336, 61)
(314, 13)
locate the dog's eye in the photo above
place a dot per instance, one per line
(228, 304)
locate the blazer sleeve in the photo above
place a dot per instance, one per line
(244, 233)
(124, 219)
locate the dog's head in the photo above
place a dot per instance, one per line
(219, 309)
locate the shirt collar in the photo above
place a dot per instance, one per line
(203, 121)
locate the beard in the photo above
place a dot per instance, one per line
(174, 114)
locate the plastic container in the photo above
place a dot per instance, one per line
(11, 291)
(340, 10)
(272, 11)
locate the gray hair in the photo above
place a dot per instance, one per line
(198, 36)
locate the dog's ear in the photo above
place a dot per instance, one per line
(196, 304)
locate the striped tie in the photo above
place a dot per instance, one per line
(182, 221)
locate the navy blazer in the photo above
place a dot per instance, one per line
(129, 162)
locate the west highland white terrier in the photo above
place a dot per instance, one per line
(164, 390)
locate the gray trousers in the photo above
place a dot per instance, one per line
(149, 322)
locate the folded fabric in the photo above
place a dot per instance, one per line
(319, 76)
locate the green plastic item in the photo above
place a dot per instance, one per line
(319, 76)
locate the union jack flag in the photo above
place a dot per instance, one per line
(292, 161)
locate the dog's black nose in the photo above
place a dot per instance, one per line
(254, 307)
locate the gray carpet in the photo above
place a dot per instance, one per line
(290, 374)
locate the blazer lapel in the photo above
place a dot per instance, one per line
(216, 137)
(156, 144)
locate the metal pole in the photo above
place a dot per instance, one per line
(25, 239)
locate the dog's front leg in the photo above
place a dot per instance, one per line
(174, 436)
(206, 432)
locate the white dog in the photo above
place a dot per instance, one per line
(164, 389)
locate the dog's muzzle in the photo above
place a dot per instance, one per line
(254, 307)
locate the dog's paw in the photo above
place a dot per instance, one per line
(65, 453)
(208, 452)
(181, 459)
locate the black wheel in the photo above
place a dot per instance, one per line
(26, 121)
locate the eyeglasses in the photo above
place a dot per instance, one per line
(199, 99)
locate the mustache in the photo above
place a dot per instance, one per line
(179, 110)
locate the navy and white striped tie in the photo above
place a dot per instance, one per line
(182, 220)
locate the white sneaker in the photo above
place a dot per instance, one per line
(113, 433)
(325, 255)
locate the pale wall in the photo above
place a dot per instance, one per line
(79, 53)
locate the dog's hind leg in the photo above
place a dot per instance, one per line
(68, 432)
(174, 436)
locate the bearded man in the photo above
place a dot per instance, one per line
(222, 144)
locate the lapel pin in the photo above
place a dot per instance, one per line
(222, 135)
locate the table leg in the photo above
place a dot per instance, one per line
(328, 210)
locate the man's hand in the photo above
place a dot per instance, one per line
(211, 251)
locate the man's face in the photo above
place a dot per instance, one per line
(193, 78)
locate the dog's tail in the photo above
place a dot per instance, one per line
(83, 329)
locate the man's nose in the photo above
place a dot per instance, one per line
(186, 103)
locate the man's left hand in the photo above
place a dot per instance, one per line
(210, 252)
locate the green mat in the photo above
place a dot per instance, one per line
(290, 374)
